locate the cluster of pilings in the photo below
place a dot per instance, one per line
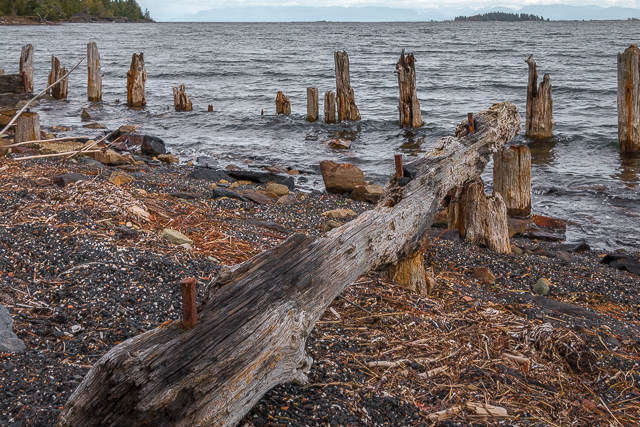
(340, 106)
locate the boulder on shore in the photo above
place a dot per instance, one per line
(367, 193)
(340, 178)
(153, 146)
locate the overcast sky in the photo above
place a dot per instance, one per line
(166, 9)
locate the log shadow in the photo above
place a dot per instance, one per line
(542, 151)
(629, 172)
(412, 141)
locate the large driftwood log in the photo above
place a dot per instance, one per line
(94, 84)
(629, 99)
(181, 101)
(346, 103)
(136, 77)
(58, 91)
(12, 83)
(409, 107)
(26, 66)
(254, 319)
(512, 179)
(27, 128)
(329, 107)
(312, 104)
(539, 120)
(480, 218)
(283, 106)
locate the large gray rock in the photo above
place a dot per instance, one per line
(9, 342)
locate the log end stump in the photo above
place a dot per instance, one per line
(409, 106)
(312, 104)
(283, 106)
(539, 118)
(512, 179)
(27, 128)
(181, 100)
(136, 78)
(629, 99)
(94, 83)
(410, 273)
(330, 108)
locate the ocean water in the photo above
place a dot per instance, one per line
(579, 175)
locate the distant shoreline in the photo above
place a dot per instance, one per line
(90, 19)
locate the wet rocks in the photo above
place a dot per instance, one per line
(207, 174)
(516, 250)
(218, 193)
(127, 141)
(9, 342)
(339, 144)
(168, 158)
(516, 226)
(330, 225)
(263, 178)
(484, 276)
(542, 286)
(94, 126)
(85, 115)
(575, 247)
(175, 237)
(153, 146)
(284, 201)
(623, 262)
(207, 162)
(259, 198)
(120, 178)
(548, 222)
(338, 213)
(367, 193)
(340, 178)
(109, 157)
(68, 178)
(278, 189)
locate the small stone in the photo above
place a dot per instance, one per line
(367, 193)
(94, 126)
(516, 250)
(213, 186)
(139, 163)
(168, 158)
(284, 201)
(484, 275)
(213, 259)
(467, 298)
(256, 197)
(528, 252)
(340, 178)
(50, 136)
(330, 225)
(232, 168)
(245, 182)
(339, 213)
(293, 172)
(542, 286)
(109, 157)
(339, 144)
(278, 189)
(141, 191)
(275, 169)
(120, 178)
(9, 342)
(175, 237)
(223, 181)
(189, 163)
(186, 246)
(85, 115)
(234, 185)
(68, 178)
(129, 224)
(152, 146)
(127, 128)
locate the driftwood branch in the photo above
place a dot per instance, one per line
(254, 319)
(38, 96)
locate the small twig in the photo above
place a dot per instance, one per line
(38, 96)
(44, 140)
(354, 304)
(53, 155)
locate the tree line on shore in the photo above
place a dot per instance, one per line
(501, 16)
(54, 10)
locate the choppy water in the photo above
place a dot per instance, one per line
(461, 67)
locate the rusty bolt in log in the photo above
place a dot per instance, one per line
(189, 311)
(399, 170)
(470, 122)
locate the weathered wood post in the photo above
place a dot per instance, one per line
(312, 104)
(26, 66)
(347, 109)
(480, 218)
(409, 106)
(27, 128)
(136, 76)
(629, 99)
(94, 84)
(283, 106)
(329, 107)
(58, 91)
(512, 179)
(189, 308)
(181, 101)
(539, 121)
(1, 72)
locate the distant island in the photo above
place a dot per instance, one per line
(18, 11)
(501, 16)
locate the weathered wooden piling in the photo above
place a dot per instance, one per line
(189, 309)
(94, 84)
(539, 122)
(629, 99)
(329, 107)
(347, 109)
(312, 104)
(27, 128)
(1, 72)
(26, 66)
(136, 77)
(512, 179)
(409, 107)
(181, 101)
(410, 273)
(283, 106)
(58, 91)
(399, 169)
(480, 218)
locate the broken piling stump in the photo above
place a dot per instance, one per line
(539, 120)
(1, 72)
(345, 101)
(181, 101)
(26, 67)
(312, 104)
(409, 107)
(283, 106)
(136, 77)
(512, 179)
(629, 99)
(27, 128)
(410, 273)
(329, 107)
(94, 84)
(58, 91)
(254, 319)
(480, 218)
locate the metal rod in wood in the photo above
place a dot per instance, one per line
(399, 170)
(189, 311)
(470, 122)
